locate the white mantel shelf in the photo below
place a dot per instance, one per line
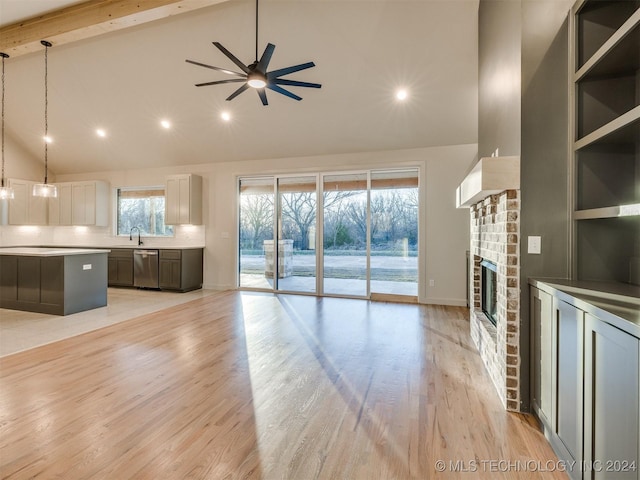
(489, 176)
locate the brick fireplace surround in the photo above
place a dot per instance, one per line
(495, 235)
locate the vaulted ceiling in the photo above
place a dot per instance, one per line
(127, 81)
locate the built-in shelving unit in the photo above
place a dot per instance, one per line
(606, 139)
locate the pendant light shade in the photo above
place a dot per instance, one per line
(45, 189)
(5, 190)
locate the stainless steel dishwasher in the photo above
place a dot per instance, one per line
(145, 268)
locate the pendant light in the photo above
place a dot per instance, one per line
(5, 191)
(45, 189)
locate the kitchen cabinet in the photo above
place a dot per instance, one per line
(80, 203)
(120, 267)
(183, 200)
(24, 208)
(60, 211)
(605, 139)
(586, 379)
(180, 269)
(612, 398)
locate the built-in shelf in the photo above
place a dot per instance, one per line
(491, 175)
(605, 172)
(616, 38)
(608, 212)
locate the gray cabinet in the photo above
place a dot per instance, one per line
(120, 266)
(586, 386)
(568, 401)
(543, 354)
(180, 269)
(612, 401)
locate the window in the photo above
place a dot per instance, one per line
(142, 208)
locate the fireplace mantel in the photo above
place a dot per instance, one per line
(489, 176)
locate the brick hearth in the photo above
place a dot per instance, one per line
(495, 235)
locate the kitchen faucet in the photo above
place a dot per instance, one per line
(131, 232)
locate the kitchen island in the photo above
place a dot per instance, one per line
(58, 281)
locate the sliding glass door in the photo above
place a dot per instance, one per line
(256, 215)
(350, 234)
(297, 201)
(394, 232)
(345, 225)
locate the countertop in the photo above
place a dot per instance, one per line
(49, 251)
(615, 303)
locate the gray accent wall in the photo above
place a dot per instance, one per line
(524, 110)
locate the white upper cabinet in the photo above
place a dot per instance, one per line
(80, 203)
(24, 208)
(183, 200)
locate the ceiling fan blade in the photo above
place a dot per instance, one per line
(263, 96)
(281, 90)
(223, 70)
(288, 70)
(220, 82)
(233, 58)
(237, 92)
(295, 83)
(265, 58)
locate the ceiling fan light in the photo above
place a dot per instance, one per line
(255, 80)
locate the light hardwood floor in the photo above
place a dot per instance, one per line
(253, 385)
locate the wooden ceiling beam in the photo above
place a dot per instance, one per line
(89, 19)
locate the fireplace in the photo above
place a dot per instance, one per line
(489, 290)
(495, 290)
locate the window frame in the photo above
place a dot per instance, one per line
(140, 188)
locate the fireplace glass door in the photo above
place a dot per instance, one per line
(489, 290)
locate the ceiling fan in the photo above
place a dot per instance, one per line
(255, 75)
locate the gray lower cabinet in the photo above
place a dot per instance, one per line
(180, 269)
(543, 340)
(612, 400)
(586, 389)
(121, 267)
(568, 401)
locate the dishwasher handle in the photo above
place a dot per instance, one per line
(145, 252)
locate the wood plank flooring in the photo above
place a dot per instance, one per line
(253, 385)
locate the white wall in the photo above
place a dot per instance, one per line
(444, 228)
(20, 164)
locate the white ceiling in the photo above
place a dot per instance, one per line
(127, 81)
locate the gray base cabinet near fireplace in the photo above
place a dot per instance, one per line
(586, 370)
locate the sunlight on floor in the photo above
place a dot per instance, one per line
(24, 330)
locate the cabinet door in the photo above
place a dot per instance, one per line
(172, 201)
(568, 401)
(60, 206)
(170, 274)
(24, 208)
(542, 319)
(19, 204)
(612, 401)
(84, 204)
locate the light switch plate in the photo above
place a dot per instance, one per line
(534, 245)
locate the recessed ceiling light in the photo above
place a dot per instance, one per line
(165, 124)
(226, 116)
(48, 139)
(401, 94)
(101, 133)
